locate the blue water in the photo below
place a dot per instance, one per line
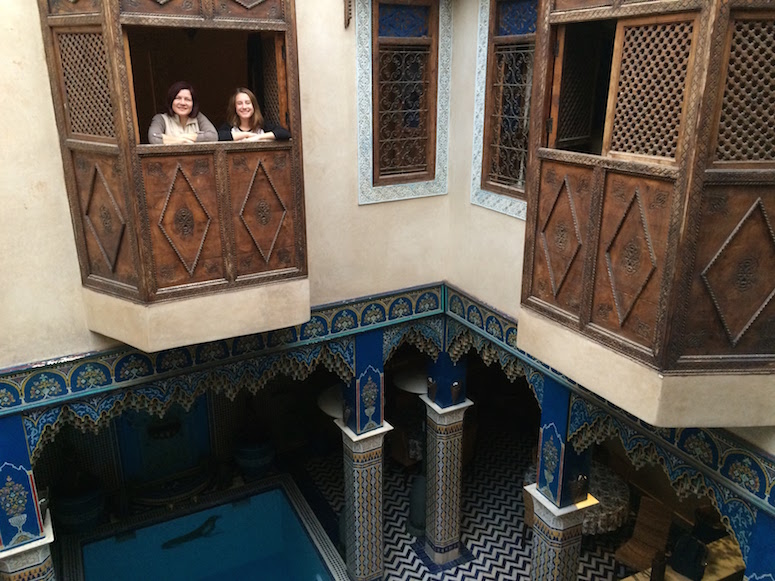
(259, 538)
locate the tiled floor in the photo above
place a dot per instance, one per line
(493, 530)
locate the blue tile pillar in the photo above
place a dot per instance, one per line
(559, 495)
(25, 537)
(446, 405)
(363, 431)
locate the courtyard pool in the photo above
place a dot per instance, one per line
(269, 536)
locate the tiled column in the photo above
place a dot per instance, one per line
(560, 493)
(444, 468)
(556, 537)
(30, 562)
(362, 511)
(24, 538)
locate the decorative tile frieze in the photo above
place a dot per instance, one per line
(43, 385)
(427, 335)
(94, 412)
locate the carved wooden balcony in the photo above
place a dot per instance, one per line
(651, 207)
(179, 244)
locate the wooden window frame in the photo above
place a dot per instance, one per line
(431, 41)
(494, 41)
(555, 83)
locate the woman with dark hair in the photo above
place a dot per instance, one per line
(244, 121)
(182, 123)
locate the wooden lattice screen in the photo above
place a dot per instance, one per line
(651, 88)
(86, 87)
(748, 108)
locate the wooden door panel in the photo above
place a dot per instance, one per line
(170, 8)
(105, 218)
(631, 256)
(564, 203)
(183, 217)
(262, 211)
(263, 9)
(731, 307)
(58, 7)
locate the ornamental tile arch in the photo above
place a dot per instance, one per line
(367, 192)
(700, 462)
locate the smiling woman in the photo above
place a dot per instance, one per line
(244, 121)
(182, 123)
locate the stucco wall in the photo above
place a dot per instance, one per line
(41, 313)
(485, 247)
(353, 250)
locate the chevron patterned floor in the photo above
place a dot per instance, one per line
(493, 530)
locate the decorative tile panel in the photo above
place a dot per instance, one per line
(555, 551)
(444, 467)
(20, 518)
(363, 507)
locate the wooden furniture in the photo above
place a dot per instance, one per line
(649, 537)
(725, 563)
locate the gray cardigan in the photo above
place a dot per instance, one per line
(158, 128)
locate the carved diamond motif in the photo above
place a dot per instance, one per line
(263, 212)
(103, 218)
(184, 220)
(249, 3)
(560, 236)
(630, 258)
(739, 278)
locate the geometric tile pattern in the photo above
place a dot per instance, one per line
(363, 512)
(443, 473)
(28, 566)
(555, 552)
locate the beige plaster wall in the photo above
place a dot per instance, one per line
(764, 438)
(485, 247)
(41, 313)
